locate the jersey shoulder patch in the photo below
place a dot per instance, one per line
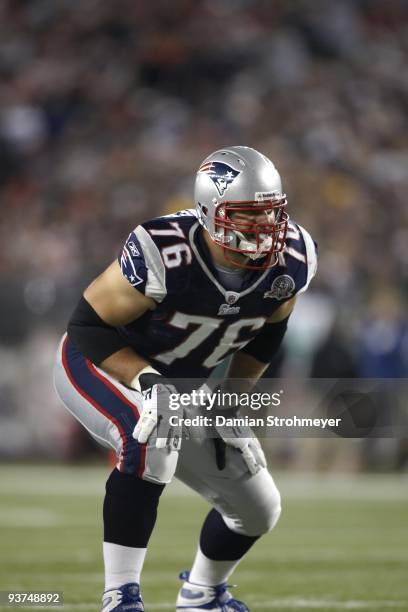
(142, 265)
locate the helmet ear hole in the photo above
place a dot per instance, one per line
(204, 209)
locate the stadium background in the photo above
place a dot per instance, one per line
(106, 109)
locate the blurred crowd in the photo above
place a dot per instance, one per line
(107, 107)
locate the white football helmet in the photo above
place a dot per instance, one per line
(239, 201)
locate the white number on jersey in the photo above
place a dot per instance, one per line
(228, 341)
(294, 234)
(206, 326)
(172, 255)
(176, 231)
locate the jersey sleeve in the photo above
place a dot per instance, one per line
(142, 265)
(310, 254)
(299, 258)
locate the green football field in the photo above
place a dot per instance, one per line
(341, 544)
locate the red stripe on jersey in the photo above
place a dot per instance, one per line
(112, 387)
(134, 408)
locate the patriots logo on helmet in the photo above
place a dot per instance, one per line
(222, 175)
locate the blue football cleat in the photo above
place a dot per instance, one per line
(126, 597)
(195, 597)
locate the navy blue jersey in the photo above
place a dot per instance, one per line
(197, 322)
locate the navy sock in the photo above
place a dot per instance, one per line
(219, 543)
(130, 509)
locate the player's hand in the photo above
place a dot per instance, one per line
(238, 437)
(244, 441)
(155, 391)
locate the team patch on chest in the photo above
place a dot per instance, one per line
(282, 288)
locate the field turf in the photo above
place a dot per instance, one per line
(341, 544)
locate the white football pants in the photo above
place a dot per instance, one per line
(249, 504)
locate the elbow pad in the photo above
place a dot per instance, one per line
(94, 338)
(264, 346)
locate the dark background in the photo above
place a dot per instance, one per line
(107, 108)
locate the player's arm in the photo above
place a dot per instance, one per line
(108, 302)
(252, 360)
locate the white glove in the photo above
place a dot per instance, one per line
(154, 397)
(243, 440)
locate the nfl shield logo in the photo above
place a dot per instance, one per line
(231, 297)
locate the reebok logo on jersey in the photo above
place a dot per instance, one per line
(133, 249)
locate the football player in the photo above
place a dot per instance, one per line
(187, 291)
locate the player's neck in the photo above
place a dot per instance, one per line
(218, 255)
